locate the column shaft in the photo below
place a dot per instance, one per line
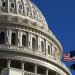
(22, 65)
(8, 63)
(35, 68)
(46, 71)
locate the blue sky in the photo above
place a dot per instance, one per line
(60, 16)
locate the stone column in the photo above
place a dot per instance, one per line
(46, 72)
(46, 48)
(35, 68)
(8, 37)
(39, 44)
(29, 41)
(22, 65)
(19, 38)
(8, 63)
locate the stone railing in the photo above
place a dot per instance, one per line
(30, 73)
(15, 71)
(14, 47)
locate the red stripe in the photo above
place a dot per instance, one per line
(68, 58)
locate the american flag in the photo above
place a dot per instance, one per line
(68, 58)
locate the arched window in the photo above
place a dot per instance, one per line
(48, 49)
(13, 39)
(3, 4)
(42, 46)
(33, 43)
(2, 38)
(24, 40)
(12, 5)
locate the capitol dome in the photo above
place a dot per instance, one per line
(27, 46)
(24, 10)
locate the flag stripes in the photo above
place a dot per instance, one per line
(68, 58)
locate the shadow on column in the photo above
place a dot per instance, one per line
(3, 64)
(50, 72)
(15, 64)
(41, 70)
(29, 67)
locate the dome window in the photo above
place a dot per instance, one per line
(24, 40)
(2, 37)
(33, 43)
(48, 49)
(3, 4)
(13, 39)
(42, 46)
(12, 5)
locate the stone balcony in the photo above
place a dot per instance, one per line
(14, 71)
(29, 73)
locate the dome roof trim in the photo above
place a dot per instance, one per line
(25, 8)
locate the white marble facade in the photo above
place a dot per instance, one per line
(27, 46)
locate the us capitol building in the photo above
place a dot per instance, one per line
(27, 46)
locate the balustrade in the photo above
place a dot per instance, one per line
(30, 73)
